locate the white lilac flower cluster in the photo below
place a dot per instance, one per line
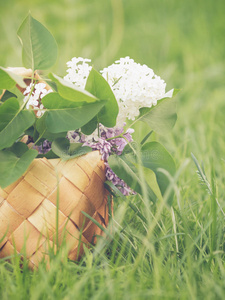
(34, 100)
(134, 85)
(110, 141)
(78, 71)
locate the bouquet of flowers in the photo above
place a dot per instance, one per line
(86, 110)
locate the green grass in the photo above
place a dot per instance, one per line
(177, 253)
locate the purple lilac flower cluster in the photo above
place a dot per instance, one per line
(44, 147)
(110, 141)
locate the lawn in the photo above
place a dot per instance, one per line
(161, 252)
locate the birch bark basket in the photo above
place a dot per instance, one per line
(43, 208)
(30, 217)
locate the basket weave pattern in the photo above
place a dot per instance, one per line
(28, 207)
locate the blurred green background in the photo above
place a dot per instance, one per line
(182, 41)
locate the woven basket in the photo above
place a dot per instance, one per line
(28, 207)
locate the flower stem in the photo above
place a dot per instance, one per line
(115, 137)
(40, 137)
(31, 91)
(132, 148)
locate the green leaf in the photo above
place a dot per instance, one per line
(71, 92)
(18, 95)
(8, 79)
(90, 127)
(53, 100)
(62, 148)
(42, 130)
(7, 111)
(146, 137)
(155, 156)
(151, 179)
(49, 155)
(14, 163)
(29, 131)
(7, 95)
(39, 46)
(128, 172)
(100, 88)
(64, 115)
(18, 148)
(13, 122)
(162, 117)
(50, 136)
